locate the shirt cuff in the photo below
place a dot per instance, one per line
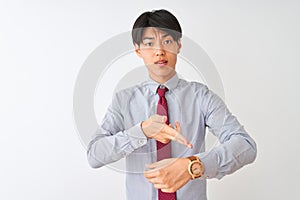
(210, 162)
(137, 136)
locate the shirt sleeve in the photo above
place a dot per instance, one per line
(236, 147)
(111, 141)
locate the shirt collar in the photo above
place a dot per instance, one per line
(170, 84)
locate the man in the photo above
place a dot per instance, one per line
(160, 124)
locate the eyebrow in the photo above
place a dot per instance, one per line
(152, 38)
(148, 38)
(166, 35)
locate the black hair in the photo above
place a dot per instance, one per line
(161, 19)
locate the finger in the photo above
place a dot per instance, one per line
(150, 174)
(163, 140)
(155, 164)
(167, 190)
(160, 164)
(159, 118)
(170, 131)
(176, 135)
(155, 180)
(151, 165)
(160, 186)
(156, 127)
(164, 137)
(182, 140)
(178, 127)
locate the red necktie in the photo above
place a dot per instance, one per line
(163, 150)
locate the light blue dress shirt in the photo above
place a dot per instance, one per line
(195, 107)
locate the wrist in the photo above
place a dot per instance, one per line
(195, 167)
(143, 125)
(184, 165)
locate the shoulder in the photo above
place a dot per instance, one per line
(197, 91)
(128, 93)
(193, 86)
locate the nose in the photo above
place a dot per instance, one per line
(159, 52)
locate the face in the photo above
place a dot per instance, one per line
(159, 53)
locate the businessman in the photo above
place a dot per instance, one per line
(164, 147)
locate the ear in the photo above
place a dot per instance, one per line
(179, 45)
(137, 50)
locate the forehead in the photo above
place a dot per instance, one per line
(153, 32)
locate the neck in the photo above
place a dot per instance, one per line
(162, 79)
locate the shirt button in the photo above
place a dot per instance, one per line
(141, 142)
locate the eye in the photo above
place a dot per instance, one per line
(148, 44)
(168, 42)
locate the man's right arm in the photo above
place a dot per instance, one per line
(111, 141)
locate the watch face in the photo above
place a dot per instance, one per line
(196, 169)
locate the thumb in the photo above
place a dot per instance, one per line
(159, 118)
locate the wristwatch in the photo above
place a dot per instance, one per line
(196, 167)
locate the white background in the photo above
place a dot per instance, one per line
(254, 45)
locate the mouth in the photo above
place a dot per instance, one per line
(161, 62)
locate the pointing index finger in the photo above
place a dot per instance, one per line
(182, 140)
(177, 136)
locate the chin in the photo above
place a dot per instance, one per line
(165, 73)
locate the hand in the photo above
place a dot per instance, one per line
(155, 127)
(169, 175)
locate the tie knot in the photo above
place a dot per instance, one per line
(161, 90)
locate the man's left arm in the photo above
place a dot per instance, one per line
(236, 149)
